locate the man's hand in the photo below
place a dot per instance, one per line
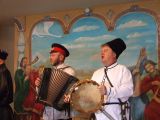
(102, 89)
(26, 78)
(135, 71)
(67, 98)
(37, 82)
(156, 83)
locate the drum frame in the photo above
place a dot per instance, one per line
(79, 83)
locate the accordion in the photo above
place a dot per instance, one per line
(55, 83)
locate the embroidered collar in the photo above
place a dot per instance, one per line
(61, 66)
(112, 66)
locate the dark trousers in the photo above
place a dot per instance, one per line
(6, 113)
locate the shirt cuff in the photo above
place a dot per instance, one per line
(108, 91)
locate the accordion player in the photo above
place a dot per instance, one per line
(55, 83)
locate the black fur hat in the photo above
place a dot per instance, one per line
(117, 45)
(3, 54)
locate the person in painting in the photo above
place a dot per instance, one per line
(21, 89)
(151, 82)
(58, 55)
(115, 82)
(6, 89)
(30, 104)
(138, 101)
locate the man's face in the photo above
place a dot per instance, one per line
(25, 62)
(108, 57)
(1, 61)
(55, 58)
(149, 68)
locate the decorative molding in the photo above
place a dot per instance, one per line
(107, 23)
(47, 18)
(134, 8)
(109, 14)
(67, 18)
(87, 12)
(20, 24)
(20, 47)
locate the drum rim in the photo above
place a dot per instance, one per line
(81, 110)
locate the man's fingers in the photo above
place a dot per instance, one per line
(67, 98)
(102, 89)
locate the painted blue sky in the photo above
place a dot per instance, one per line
(87, 34)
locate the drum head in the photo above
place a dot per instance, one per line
(86, 97)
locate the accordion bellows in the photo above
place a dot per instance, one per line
(55, 83)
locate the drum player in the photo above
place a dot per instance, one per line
(116, 82)
(58, 54)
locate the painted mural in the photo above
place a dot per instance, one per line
(138, 30)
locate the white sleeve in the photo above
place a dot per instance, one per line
(125, 89)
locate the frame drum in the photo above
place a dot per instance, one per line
(86, 97)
